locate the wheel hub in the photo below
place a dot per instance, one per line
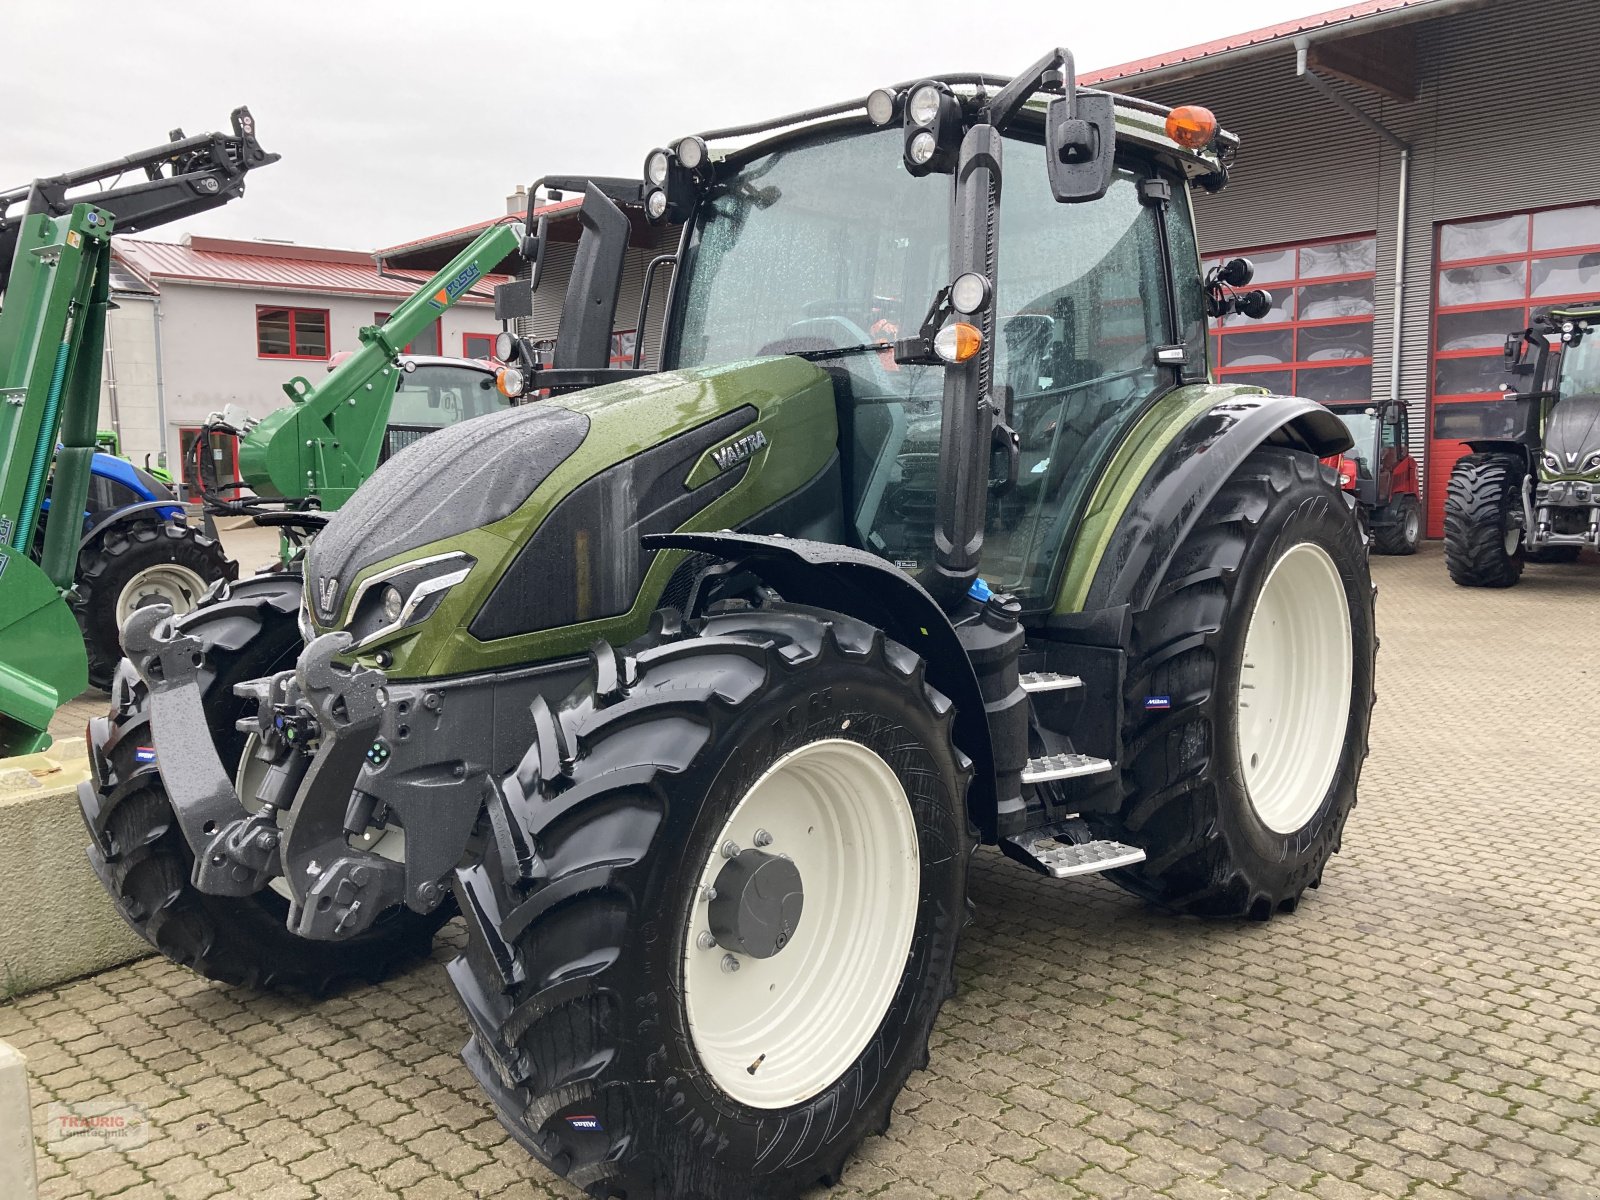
(757, 905)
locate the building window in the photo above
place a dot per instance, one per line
(477, 345)
(1316, 341)
(428, 341)
(292, 333)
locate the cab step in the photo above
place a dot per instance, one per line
(1053, 851)
(1049, 681)
(1062, 766)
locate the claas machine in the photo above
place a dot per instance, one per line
(695, 689)
(1530, 491)
(66, 583)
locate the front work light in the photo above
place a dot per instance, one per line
(691, 152)
(1191, 126)
(958, 342)
(881, 106)
(969, 293)
(932, 129)
(655, 204)
(656, 167)
(505, 345)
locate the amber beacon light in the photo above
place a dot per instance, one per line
(1191, 126)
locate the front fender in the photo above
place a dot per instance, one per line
(864, 586)
(1191, 470)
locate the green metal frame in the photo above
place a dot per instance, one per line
(52, 335)
(327, 440)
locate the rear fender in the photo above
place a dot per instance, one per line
(1188, 474)
(864, 586)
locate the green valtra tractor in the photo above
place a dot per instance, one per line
(699, 687)
(1529, 491)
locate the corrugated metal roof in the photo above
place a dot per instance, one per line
(274, 267)
(433, 239)
(1256, 37)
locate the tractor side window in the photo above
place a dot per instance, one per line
(1187, 284)
(1081, 304)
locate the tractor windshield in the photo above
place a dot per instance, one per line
(1579, 368)
(829, 245)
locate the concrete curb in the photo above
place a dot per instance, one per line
(18, 1176)
(59, 922)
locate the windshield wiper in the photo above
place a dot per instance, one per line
(844, 351)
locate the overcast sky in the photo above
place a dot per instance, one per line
(403, 119)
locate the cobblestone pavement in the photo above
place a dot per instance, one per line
(1426, 1025)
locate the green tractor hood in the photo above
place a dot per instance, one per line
(515, 537)
(1572, 440)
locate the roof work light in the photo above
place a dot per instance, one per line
(932, 127)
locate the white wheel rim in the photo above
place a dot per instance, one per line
(1413, 527)
(389, 841)
(1513, 536)
(802, 1016)
(167, 583)
(1294, 688)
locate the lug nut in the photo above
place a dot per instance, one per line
(762, 838)
(730, 849)
(730, 964)
(706, 940)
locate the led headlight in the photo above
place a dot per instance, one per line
(655, 204)
(969, 292)
(691, 152)
(880, 106)
(1592, 463)
(403, 596)
(1551, 463)
(504, 346)
(922, 147)
(924, 105)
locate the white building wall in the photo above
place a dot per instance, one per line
(129, 374)
(209, 357)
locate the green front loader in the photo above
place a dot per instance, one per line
(696, 689)
(55, 270)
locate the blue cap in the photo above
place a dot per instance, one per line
(980, 591)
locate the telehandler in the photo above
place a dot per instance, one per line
(699, 687)
(1530, 492)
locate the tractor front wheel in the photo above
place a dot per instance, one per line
(248, 631)
(1403, 531)
(1249, 695)
(718, 910)
(1483, 540)
(146, 559)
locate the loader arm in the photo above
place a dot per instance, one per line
(327, 440)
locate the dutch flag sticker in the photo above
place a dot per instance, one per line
(144, 754)
(1157, 702)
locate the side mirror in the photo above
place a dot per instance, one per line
(1080, 143)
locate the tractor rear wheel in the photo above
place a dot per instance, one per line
(146, 559)
(1483, 543)
(1403, 531)
(718, 910)
(1249, 695)
(250, 630)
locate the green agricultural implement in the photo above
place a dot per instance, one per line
(699, 687)
(1529, 491)
(63, 589)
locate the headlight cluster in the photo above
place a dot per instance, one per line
(403, 596)
(671, 178)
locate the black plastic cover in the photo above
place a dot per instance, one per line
(462, 477)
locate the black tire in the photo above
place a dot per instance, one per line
(249, 630)
(1185, 800)
(572, 975)
(117, 557)
(1481, 507)
(1403, 531)
(1552, 554)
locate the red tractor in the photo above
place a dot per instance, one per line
(1380, 473)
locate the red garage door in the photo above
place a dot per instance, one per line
(1317, 340)
(1492, 272)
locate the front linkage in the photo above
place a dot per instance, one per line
(324, 744)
